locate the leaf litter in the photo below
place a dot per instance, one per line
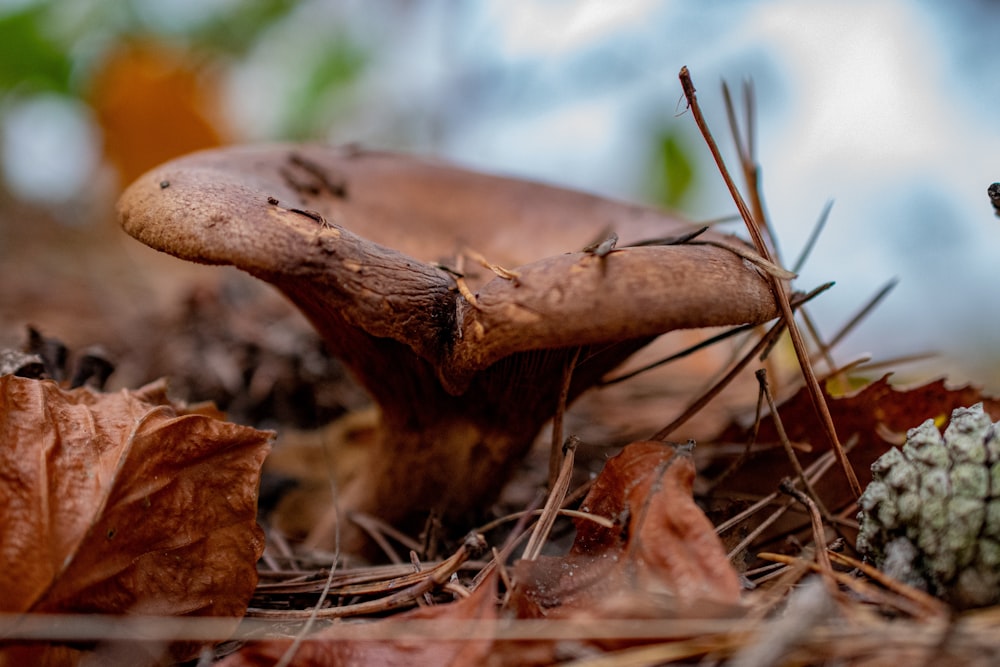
(124, 503)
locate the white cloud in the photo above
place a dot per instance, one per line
(865, 77)
(558, 27)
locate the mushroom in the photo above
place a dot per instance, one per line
(465, 362)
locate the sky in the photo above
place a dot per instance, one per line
(889, 109)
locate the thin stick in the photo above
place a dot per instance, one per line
(759, 530)
(762, 263)
(813, 237)
(457, 274)
(823, 349)
(661, 653)
(747, 448)
(407, 597)
(501, 568)
(677, 239)
(860, 586)
(893, 362)
(819, 534)
(497, 270)
(768, 339)
(579, 492)
(746, 150)
(779, 427)
(734, 126)
(932, 605)
(703, 400)
(817, 229)
(729, 333)
(812, 384)
(750, 104)
(554, 501)
(781, 570)
(826, 347)
(816, 470)
(573, 514)
(556, 448)
(747, 513)
(517, 535)
(853, 365)
(378, 530)
(777, 594)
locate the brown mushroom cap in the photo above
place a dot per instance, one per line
(357, 240)
(353, 222)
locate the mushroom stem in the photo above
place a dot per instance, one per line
(451, 454)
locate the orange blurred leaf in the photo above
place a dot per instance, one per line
(123, 503)
(153, 103)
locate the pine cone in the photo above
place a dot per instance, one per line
(931, 515)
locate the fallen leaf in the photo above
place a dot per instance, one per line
(662, 546)
(876, 417)
(123, 503)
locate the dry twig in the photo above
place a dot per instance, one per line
(819, 402)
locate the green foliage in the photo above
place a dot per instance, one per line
(49, 46)
(30, 60)
(672, 176)
(238, 29)
(331, 72)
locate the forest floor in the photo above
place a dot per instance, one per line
(781, 584)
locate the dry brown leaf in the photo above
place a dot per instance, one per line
(662, 545)
(40, 655)
(123, 503)
(877, 416)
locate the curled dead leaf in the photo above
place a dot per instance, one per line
(873, 418)
(125, 504)
(662, 544)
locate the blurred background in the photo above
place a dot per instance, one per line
(889, 109)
